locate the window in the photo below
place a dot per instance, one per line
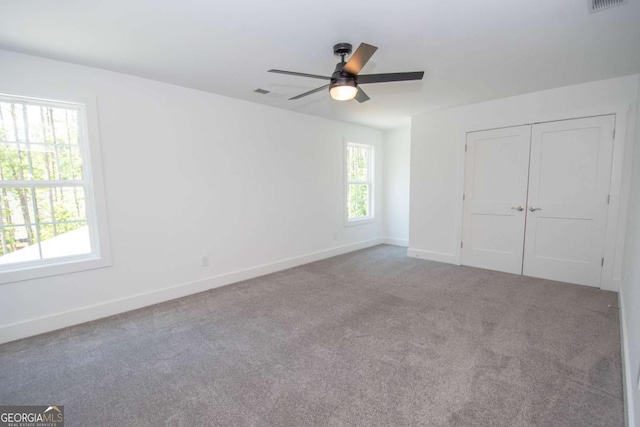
(47, 211)
(359, 182)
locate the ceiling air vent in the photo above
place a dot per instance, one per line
(268, 93)
(598, 5)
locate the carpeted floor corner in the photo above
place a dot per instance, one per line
(363, 339)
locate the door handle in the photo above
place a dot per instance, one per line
(518, 208)
(533, 209)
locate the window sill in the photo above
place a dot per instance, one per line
(360, 221)
(63, 266)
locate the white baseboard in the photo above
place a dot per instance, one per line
(61, 320)
(627, 373)
(396, 242)
(432, 256)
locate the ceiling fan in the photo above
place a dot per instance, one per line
(345, 80)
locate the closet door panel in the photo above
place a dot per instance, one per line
(570, 170)
(496, 170)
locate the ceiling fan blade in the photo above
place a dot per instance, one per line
(390, 77)
(310, 92)
(360, 57)
(293, 73)
(361, 96)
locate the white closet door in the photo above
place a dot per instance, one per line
(570, 170)
(496, 168)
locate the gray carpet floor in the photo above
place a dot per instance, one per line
(367, 338)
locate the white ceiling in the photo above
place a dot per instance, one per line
(470, 50)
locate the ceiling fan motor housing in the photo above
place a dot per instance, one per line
(342, 49)
(341, 77)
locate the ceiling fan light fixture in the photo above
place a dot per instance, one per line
(344, 90)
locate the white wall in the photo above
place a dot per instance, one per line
(437, 161)
(187, 174)
(630, 294)
(397, 145)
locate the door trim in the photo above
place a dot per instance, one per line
(620, 180)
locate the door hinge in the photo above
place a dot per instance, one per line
(602, 262)
(609, 199)
(461, 244)
(462, 196)
(614, 133)
(465, 148)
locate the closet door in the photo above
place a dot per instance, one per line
(496, 168)
(570, 170)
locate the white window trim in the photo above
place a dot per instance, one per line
(349, 222)
(94, 197)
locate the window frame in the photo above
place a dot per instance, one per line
(93, 186)
(370, 182)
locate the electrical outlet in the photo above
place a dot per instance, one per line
(205, 261)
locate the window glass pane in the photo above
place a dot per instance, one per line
(12, 126)
(43, 162)
(73, 199)
(53, 162)
(363, 164)
(57, 204)
(70, 162)
(66, 239)
(14, 162)
(44, 202)
(358, 200)
(358, 163)
(37, 126)
(15, 247)
(56, 240)
(53, 125)
(66, 125)
(350, 163)
(17, 207)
